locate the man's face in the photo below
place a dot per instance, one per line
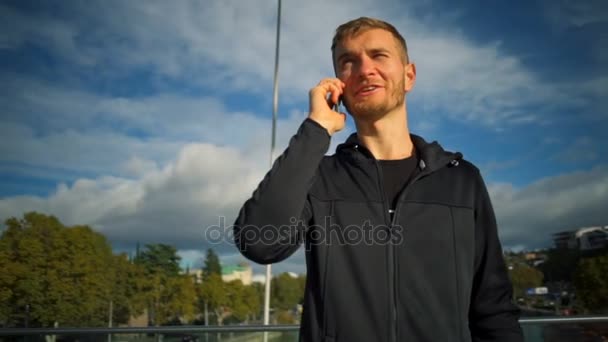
(376, 76)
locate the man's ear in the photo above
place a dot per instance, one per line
(409, 77)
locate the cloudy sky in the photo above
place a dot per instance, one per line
(150, 120)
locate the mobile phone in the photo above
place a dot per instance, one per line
(337, 104)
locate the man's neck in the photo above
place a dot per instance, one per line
(387, 138)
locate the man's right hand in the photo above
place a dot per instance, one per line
(321, 107)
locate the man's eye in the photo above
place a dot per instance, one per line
(346, 63)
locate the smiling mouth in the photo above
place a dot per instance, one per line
(367, 90)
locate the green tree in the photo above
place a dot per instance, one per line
(591, 283)
(252, 301)
(212, 264)
(524, 277)
(214, 292)
(159, 258)
(229, 299)
(128, 290)
(60, 273)
(286, 291)
(167, 294)
(7, 284)
(257, 290)
(175, 299)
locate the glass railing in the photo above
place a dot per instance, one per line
(544, 329)
(567, 329)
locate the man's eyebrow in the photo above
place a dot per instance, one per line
(380, 49)
(343, 55)
(370, 51)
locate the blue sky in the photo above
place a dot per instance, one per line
(150, 120)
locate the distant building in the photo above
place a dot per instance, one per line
(592, 237)
(586, 238)
(565, 240)
(197, 275)
(242, 271)
(535, 258)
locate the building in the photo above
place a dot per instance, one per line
(586, 238)
(242, 271)
(565, 240)
(592, 237)
(197, 275)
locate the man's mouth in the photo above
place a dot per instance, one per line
(367, 90)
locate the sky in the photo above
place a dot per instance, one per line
(150, 121)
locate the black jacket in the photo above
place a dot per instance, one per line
(435, 273)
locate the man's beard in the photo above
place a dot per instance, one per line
(377, 109)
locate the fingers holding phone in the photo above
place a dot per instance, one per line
(322, 98)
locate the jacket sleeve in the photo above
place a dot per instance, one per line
(492, 315)
(271, 225)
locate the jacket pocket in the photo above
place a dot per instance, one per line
(429, 283)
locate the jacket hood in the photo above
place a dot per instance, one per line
(432, 155)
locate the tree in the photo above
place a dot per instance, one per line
(252, 301)
(128, 294)
(7, 284)
(591, 283)
(159, 258)
(257, 290)
(524, 277)
(167, 294)
(561, 265)
(287, 291)
(68, 276)
(212, 264)
(175, 299)
(61, 274)
(229, 299)
(214, 292)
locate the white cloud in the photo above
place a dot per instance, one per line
(229, 46)
(174, 204)
(528, 216)
(138, 166)
(99, 152)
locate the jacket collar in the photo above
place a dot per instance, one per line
(432, 156)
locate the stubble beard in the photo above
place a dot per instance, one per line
(377, 109)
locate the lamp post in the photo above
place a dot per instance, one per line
(275, 105)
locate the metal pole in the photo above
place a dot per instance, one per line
(110, 319)
(275, 105)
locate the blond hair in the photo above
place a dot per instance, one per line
(362, 24)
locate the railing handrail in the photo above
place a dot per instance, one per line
(175, 329)
(561, 319)
(143, 330)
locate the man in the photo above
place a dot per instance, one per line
(401, 239)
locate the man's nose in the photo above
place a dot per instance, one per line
(366, 67)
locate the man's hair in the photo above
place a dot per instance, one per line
(363, 24)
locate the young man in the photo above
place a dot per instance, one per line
(401, 239)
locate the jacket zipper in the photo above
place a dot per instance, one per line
(391, 247)
(391, 250)
(391, 257)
